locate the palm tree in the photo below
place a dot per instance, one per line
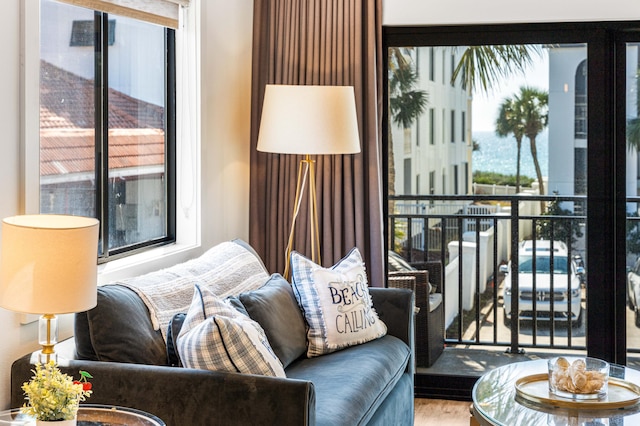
(534, 107)
(509, 121)
(406, 103)
(485, 67)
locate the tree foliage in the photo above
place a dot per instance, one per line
(557, 229)
(485, 67)
(509, 121)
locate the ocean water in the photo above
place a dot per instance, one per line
(499, 155)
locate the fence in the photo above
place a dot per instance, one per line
(472, 236)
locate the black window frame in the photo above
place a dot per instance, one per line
(101, 55)
(606, 157)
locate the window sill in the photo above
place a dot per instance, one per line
(145, 262)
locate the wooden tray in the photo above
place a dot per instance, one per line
(535, 388)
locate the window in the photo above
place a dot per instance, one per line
(107, 125)
(432, 126)
(82, 33)
(463, 126)
(466, 177)
(432, 64)
(444, 62)
(455, 179)
(407, 176)
(453, 67)
(588, 152)
(580, 101)
(444, 114)
(432, 185)
(453, 126)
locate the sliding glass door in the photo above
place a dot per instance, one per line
(510, 149)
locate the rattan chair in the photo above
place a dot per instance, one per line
(429, 339)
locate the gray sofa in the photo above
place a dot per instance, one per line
(127, 353)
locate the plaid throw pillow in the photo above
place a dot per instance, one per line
(336, 303)
(215, 336)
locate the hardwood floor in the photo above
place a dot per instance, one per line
(440, 412)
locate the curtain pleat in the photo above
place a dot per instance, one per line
(320, 42)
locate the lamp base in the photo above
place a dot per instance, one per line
(47, 337)
(45, 358)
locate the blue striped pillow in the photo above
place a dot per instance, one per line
(215, 336)
(336, 303)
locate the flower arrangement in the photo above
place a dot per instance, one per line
(53, 395)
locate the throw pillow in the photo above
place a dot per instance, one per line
(275, 308)
(119, 330)
(215, 336)
(336, 303)
(173, 358)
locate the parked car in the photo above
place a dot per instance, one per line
(633, 290)
(567, 301)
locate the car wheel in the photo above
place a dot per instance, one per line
(507, 321)
(578, 322)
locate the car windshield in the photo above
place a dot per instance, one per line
(560, 264)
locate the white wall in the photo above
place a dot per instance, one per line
(224, 164)
(431, 12)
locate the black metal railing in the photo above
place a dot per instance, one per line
(477, 238)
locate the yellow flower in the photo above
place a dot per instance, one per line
(51, 394)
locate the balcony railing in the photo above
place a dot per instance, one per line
(475, 236)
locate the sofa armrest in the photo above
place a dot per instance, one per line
(395, 307)
(182, 396)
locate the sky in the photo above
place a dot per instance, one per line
(485, 107)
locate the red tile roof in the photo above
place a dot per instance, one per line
(136, 135)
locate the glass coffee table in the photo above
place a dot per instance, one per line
(91, 415)
(496, 400)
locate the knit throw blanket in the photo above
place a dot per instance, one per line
(228, 269)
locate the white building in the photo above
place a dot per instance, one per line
(434, 155)
(568, 119)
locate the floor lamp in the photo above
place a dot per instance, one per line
(308, 120)
(49, 266)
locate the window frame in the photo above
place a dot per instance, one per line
(102, 174)
(30, 144)
(606, 335)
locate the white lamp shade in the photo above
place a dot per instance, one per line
(49, 264)
(309, 120)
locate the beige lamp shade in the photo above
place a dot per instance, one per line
(309, 120)
(49, 264)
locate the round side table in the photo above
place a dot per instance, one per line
(91, 415)
(495, 401)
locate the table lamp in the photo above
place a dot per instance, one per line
(49, 267)
(308, 120)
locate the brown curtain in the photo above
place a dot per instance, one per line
(320, 42)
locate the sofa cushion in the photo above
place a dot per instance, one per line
(175, 325)
(215, 336)
(351, 383)
(336, 303)
(275, 308)
(119, 329)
